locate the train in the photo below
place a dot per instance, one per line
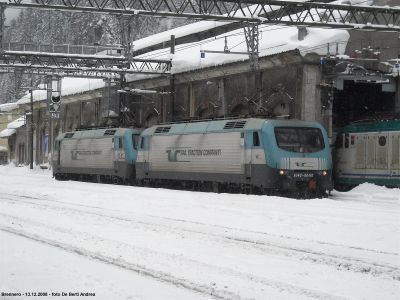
(367, 151)
(246, 155)
(105, 155)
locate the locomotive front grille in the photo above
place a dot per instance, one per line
(303, 163)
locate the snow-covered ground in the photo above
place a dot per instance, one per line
(123, 242)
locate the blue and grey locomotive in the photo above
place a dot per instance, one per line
(99, 155)
(247, 155)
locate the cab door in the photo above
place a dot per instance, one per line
(144, 147)
(119, 154)
(254, 152)
(394, 154)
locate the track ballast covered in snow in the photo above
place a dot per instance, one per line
(123, 242)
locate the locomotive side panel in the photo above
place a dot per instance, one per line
(204, 153)
(87, 153)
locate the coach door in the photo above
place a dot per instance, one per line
(394, 153)
(382, 153)
(360, 153)
(371, 142)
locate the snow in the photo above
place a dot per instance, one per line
(7, 132)
(125, 242)
(17, 123)
(273, 39)
(12, 126)
(69, 86)
(8, 107)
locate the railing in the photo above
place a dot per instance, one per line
(64, 48)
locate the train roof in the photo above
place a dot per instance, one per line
(96, 133)
(221, 126)
(374, 126)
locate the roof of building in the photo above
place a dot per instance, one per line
(372, 126)
(5, 133)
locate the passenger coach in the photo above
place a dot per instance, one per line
(368, 152)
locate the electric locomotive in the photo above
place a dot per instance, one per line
(98, 155)
(237, 155)
(368, 152)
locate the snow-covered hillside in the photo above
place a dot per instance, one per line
(124, 242)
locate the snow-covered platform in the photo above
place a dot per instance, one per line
(124, 242)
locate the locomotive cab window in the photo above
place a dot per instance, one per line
(299, 139)
(143, 142)
(135, 141)
(117, 143)
(256, 139)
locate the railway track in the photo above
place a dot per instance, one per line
(217, 291)
(259, 242)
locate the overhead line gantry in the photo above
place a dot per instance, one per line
(79, 65)
(254, 11)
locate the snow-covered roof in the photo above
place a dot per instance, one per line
(5, 133)
(273, 39)
(178, 32)
(12, 127)
(69, 86)
(8, 107)
(17, 123)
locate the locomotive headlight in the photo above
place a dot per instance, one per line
(324, 173)
(281, 172)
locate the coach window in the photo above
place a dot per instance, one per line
(352, 140)
(382, 141)
(346, 140)
(256, 139)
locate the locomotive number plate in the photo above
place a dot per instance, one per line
(303, 175)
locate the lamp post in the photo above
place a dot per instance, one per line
(31, 132)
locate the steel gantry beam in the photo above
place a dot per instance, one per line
(76, 64)
(257, 11)
(5, 69)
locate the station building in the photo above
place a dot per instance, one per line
(331, 76)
